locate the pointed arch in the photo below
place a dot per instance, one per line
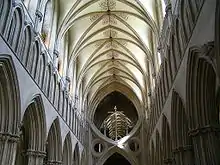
(33, 131)
(40, 69)
(167, 143)
(67, 150)
(15, 28)
(108, 89)
(9, 97)
(181, 141)
(34, 121)
(26, 45)
(201, 86)
(159, 154)
(34, 57)
(76, 156)
(54, 144)
(201, 100)
(5, 11)
(9, 110)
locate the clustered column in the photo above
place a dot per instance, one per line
(206, 144)
(35, 157)
(183, 155)
(8, 145)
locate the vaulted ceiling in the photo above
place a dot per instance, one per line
(113, 43)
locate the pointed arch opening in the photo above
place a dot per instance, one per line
(9, 110)
(54, 144)
(67, 150)
(181, 141)
(32, 132)
(115, 116)
(9, 97)
(76, 157)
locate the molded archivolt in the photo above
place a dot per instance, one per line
(5, 7)
(109, 88)
(35, 123)
(201, 86)
(202, 107)
(10, 113)
(32, 132)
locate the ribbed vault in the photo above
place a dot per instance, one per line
(110, 41)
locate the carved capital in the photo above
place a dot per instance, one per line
(183, 148)
(9, 137)
(34, 153)
(53, 162)
(203, 130)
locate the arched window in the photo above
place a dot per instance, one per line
(47, 23)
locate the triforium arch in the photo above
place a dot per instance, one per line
(31, 146)
(9, 110)
(67, 150)
(201, 94)
(54, 144)
(181, 142)
(5, 8)
(130, 158)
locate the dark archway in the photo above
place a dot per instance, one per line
(117, 159)
(107, 107)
